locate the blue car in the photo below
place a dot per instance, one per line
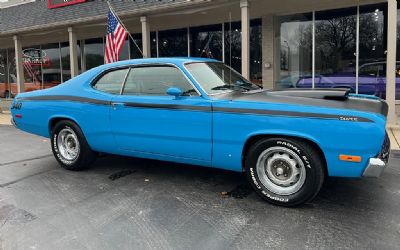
(199, 111)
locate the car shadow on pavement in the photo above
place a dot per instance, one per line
(351, 193)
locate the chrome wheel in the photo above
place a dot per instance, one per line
(281, 170)
(68, 144)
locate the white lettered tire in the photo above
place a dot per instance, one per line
(285, 171)
(70, 147)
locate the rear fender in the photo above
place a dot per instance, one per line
(59, 117)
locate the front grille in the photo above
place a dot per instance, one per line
(385, 151)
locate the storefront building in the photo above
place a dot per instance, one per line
(276, 44)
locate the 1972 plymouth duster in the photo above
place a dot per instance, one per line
(199, 111)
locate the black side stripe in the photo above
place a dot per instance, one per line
(201, 108)
(168, 106)
(65, 98)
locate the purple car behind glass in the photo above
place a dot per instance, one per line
(372, 80)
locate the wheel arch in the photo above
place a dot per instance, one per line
(57, 118)
(265, 135)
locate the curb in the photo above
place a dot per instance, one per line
(394, 135)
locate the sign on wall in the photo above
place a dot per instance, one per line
(60, 3)
(36, 57)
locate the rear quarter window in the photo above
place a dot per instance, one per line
(111, 82)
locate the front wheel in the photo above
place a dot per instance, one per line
(284, 171)
(70, 147)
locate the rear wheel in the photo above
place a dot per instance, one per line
(70, 147)
(284, 171)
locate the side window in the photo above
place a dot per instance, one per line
(111, 82)
(155, 80)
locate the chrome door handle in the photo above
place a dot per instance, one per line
(117, 104)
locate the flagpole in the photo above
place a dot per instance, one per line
(123, 26)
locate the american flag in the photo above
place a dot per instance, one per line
(116, 36)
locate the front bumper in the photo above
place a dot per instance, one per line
(375, 168)
(377, 165)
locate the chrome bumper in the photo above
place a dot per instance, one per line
(375, 168)
(377, 165)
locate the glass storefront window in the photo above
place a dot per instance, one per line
(335, 48)
(94, 52)
(256, 51)
(172, 43)
(4, 90)
(52, 69)
(206, 41)
(65, 61)
(125, 51)
(12, 70)
(153, 44)
(135, 52)
(372, 56)
(32, 67)
(295, 51)
(233, 45)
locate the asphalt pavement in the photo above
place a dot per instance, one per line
(128, 203)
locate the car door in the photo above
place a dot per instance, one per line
(95, 116)
(145, 119)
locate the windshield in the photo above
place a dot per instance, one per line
(216, 78)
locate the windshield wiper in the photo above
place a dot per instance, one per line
(222, 87)
(230, 86)
(243, 87)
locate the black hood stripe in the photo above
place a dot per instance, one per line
(202, 108)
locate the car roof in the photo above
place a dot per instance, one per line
(174, 60)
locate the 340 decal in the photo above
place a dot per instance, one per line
(16, 105)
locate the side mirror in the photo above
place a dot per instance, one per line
(177, 92)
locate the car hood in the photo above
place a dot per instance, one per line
(330, 98)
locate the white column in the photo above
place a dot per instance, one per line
(19, 64)
(73, 52)
(391, 61)
(145, 36)
(244, 5)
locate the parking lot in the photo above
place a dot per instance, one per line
(126, 203)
